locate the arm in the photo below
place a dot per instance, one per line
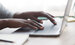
(15, 23)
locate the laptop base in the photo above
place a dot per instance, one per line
(49, 29)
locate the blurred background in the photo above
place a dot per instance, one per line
(54, 7)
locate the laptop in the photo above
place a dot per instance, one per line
(49, 28)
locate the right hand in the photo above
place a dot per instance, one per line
(34, 16)
(15, 23)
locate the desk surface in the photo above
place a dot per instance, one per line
(66, 38)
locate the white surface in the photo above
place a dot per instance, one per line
(8, 30)
(18, 39)
(66, 38)
(54, 7)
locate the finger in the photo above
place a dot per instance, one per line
(33, 18)
(51, 19)
(50, 15)
(31, 26)
(41, 14)
(37, 25)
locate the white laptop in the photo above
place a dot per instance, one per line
(49, 28)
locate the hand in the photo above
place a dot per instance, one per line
(34, 16)
(14, 23)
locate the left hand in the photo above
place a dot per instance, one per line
(34, 16)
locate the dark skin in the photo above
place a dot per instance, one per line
(34, 16)
(15, 23)
(20, 20)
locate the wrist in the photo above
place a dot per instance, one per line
(3, 23)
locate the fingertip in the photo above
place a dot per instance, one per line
(41, 28)
(41, 22)
(35, 28)
(54, 23)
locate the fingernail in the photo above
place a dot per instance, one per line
(41, 22)
(41, 28)
(35, 28)
(54, 23)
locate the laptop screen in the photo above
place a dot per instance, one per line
(66, 13)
